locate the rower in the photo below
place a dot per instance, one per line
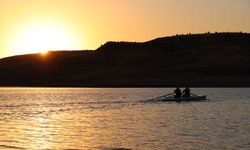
(177, 92)
(186, 92)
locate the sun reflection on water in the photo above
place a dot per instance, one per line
(42, 133)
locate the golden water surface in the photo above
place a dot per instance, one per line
(108, 119)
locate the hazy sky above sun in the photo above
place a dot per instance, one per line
(29, 26)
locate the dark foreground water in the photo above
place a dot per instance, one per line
(106, 119)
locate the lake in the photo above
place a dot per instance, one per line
(116, 118)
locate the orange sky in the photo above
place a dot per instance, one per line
(28, 26)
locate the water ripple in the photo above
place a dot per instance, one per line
(10, 147)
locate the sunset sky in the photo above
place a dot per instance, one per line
(29, 26)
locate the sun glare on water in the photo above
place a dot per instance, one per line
(40, 38)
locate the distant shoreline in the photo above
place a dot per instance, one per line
(194, 60)
(122, 86)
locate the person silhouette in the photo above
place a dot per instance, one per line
(177, 92)
(186, 92)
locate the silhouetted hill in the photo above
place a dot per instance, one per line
(220, 59)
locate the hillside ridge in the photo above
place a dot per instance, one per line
(203, 60)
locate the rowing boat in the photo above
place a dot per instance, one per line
(191, 98)
(171, 98)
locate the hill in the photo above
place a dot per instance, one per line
(204, 60)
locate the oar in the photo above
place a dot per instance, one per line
(160, 97)
(193, 94)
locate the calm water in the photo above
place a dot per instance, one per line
(106, 119)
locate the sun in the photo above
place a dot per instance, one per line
(42, 37)
(44, 52)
